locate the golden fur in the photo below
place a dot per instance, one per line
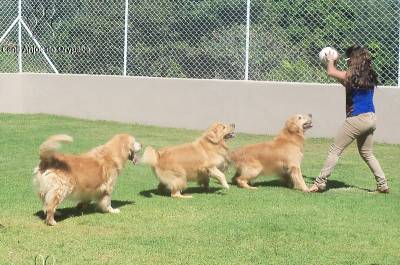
(196, 161)
(281, 156)
(86, 177)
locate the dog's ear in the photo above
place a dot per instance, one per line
(214, 134)
(292, 126)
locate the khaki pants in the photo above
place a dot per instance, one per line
(361, 128)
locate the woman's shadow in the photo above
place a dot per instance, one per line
(71, 212)
(332, 184)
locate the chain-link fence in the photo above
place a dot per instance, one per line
(221, 39)
(8, 15)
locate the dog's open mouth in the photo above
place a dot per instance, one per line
(307, 125)
(133, 157)
(229, 135)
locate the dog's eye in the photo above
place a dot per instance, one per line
(299, 117)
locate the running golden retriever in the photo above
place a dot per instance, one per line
(281, 156)
(196, 161)
(86, 177)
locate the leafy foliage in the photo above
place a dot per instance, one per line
(206, 38)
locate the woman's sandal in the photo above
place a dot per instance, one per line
(317, 187)
(384, 190)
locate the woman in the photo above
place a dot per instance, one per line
(360, 81)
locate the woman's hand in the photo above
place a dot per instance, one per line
(330, 57)
(331, 62)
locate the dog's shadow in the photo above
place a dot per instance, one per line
(188, 191)
(270, 183)
(70, 212)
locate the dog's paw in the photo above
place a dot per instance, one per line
(180, 196)
(226, 185)
(51, 222)
(112, 210)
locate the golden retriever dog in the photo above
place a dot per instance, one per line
(196, 161)
(86, 177)
(281, 156)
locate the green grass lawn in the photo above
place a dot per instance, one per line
(272, 225)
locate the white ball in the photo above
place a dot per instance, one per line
(325, 51)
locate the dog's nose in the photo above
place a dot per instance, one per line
(233, 125)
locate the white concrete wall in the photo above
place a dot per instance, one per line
(255, 106)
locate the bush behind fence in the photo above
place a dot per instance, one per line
(197, 38)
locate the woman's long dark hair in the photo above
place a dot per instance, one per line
(361, 74)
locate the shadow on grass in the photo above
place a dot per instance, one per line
(270, 183)
(70, 212)
(188, 191)
(332, 184)
(336, 184)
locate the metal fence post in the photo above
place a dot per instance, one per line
(246, 71)
(126, 35)
(19, 36)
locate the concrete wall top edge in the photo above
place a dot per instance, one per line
(176, 79)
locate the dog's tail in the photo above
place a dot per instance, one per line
(150, 156)
(52, 144)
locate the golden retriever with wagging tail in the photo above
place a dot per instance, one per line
(281, 156)
(86, 177)
(196, 161)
